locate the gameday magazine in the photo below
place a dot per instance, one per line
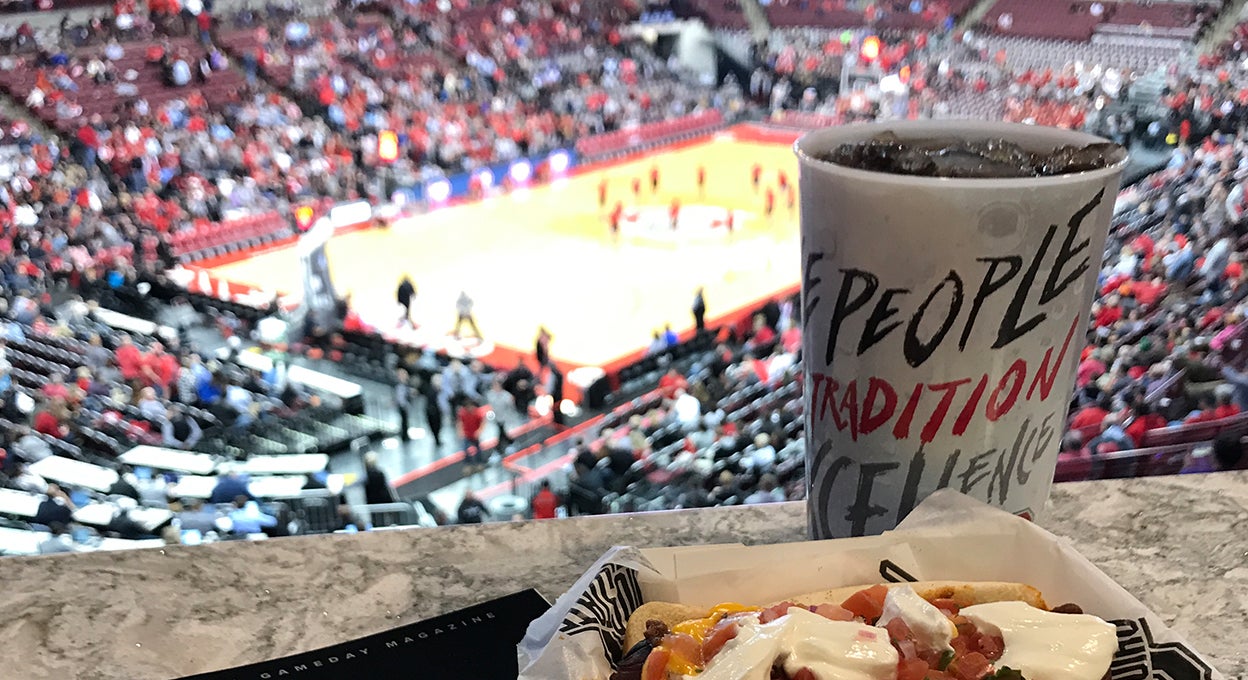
(475, 642)
(948, 537)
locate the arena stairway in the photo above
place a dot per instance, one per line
(1220, 29)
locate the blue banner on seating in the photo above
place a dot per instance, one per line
(530, 170)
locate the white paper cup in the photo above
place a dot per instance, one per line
(943, 320)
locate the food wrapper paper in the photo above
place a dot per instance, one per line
(947, 537)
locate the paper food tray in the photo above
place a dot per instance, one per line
(947, 537)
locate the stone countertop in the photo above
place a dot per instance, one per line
(1180, 544)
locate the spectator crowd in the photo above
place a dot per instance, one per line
(172, 119)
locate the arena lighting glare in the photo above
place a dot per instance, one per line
(303, 217)
(438, 191)
(559, 162)
(521, 171)
(870, 48)
(387, 146)
(486, 178)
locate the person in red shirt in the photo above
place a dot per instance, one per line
(791, 339)
(701, 181)
(671, 382)
(1225, 408)
(470, 419)
(654, 179)
(758, 366)
(769, 202)
(617, 214)
(160, 368)
(1144, 245)
(1148, 293)
(782, 179)
(545, 504)
(1204, 413)
(1073, 461)
(1143, 421)
(1234, 268)
(129, 358)
(50, 421)
(792, 200)
(756, 175)
(55, 389)
(636, 187)
(673, 212)
(1108, 313)
(602, 193)
(763, 334)
(1089, 369)
(1089, 417)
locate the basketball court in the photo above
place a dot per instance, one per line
(545, 255)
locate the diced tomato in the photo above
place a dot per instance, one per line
(963, 644)
(947, 605)
(774, 612)
(973, 666)
(868, 603)
(684, 647)
(911, 669)
(938, 675)
(834, 612)
(805, 674)
(720, 635)
(898, 630)
(931, 658)
(655, 667)
(992, 646)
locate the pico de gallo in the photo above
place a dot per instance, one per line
(929, 640)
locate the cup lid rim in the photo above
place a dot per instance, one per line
(988, 128)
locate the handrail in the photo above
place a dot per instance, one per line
(1160, 389)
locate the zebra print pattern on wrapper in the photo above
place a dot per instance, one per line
(1139, 657)
(604, 608)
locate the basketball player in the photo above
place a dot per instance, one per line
(463, 311)
(792, 199)
(730, 221)
(541, 349)
(617, 214)
(769, 203)
(405, 294)
(674, 212)
(636, 188)
(783, 180)
(756, 176)
(602, 193)
(654, 179)
(702, 181)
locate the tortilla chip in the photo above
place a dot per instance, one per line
(964, 593)
(667, 612)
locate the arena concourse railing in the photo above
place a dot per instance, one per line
(803, 120)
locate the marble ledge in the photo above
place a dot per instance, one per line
(1180, 544)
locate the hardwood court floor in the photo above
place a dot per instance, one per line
(545, 255)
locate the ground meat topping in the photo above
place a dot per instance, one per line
(655, 631)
